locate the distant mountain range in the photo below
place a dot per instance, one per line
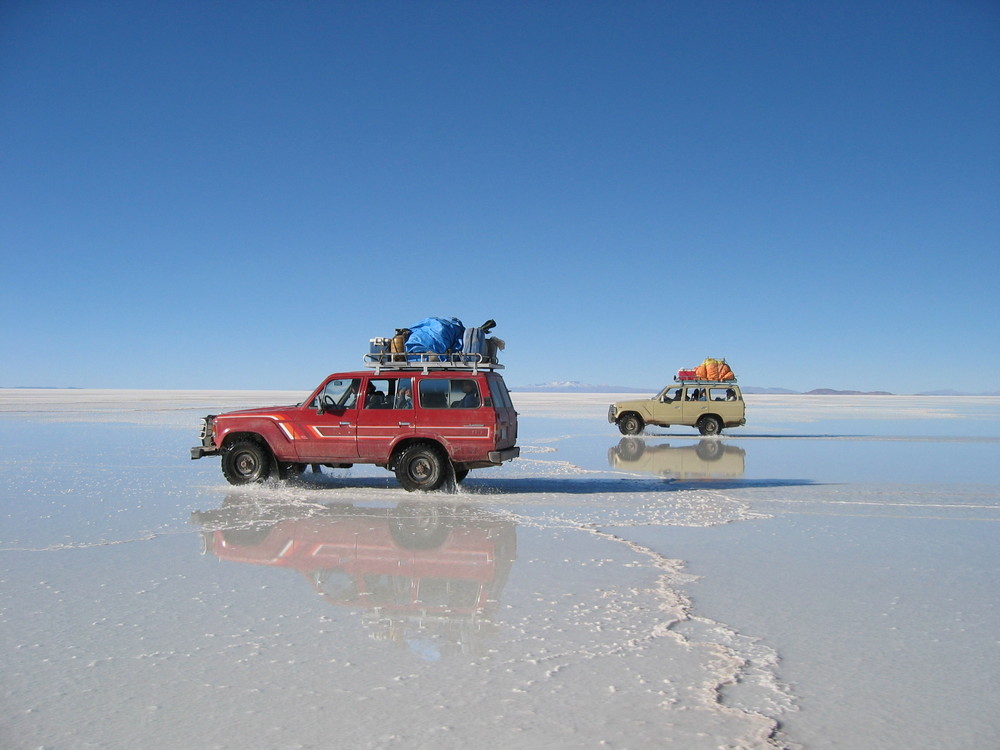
(575, 386)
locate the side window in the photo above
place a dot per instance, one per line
(379, 393)
(445, 394)
(465, 394)
(389, 393)
(433, 393)
(671, 395)
(403, 398)
(695, 394)
(723, 394)
(340, 393)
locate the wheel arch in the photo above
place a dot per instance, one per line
(403, 443)
(255, 437)
(267, 433)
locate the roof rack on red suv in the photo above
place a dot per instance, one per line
(427, 361)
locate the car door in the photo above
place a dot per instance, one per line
(666, 408)
(386, 414)
(694, 405)
(726, 403)
(452, 410)
(330, 423)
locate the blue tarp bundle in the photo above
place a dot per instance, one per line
(438, 335)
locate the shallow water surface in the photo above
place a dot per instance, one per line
(793, 585)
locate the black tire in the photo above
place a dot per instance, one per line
(421, 468)
(709, 425)
(630, 423)
(246, 462)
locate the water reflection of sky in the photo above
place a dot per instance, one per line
(879, 460)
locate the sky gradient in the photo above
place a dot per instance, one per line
(240, 194)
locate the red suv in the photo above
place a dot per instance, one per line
(430, 423)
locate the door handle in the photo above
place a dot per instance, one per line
(345, 424)
(404, 424)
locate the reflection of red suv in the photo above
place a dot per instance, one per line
(429, 423)
(413, 558)
(417, 570)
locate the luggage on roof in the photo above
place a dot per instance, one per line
(437, 343)
(437, 335)
(475, 342)
(714, 369)
(711, 369)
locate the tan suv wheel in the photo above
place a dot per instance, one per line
(709, 426)
(630, 424)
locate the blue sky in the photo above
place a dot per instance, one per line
(241, 194)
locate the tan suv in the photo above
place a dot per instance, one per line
(709, 406)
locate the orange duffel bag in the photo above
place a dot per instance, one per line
(714, 369)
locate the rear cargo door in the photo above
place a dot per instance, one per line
(506, 416)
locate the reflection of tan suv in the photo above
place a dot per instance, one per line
(708, 460)
(709, 406)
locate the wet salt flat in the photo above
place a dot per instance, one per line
(825, 577)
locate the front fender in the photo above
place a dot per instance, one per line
(273, 430)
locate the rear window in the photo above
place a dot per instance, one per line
(501, 396)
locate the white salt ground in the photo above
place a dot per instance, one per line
(824, 577)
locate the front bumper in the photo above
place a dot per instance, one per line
(207, 447)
